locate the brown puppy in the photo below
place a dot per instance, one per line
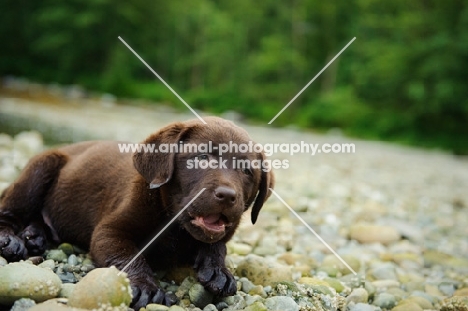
(113, 203)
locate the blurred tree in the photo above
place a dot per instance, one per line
(403, 79)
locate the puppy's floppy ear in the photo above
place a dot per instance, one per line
(267, 181)
(157, 167)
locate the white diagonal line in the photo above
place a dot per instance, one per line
(316, 76)
(164, 82)
(160, 232)
(313, 231)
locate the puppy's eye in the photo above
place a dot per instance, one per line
(202, 157)
(247, 171)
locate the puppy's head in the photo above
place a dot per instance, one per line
(232, 179)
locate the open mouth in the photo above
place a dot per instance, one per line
(212, 223)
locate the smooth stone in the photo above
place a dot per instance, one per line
(58, 304)
(408, 306)
(210, 307)
(176, 308)
(199, 296)
(250, 299)
(57, 255)
(67, 289)
(156, 307)
(382, 285)
(102, 287)
(281, 303)
(330, 271)
(384, 301)
(67, 248)
(426, 296)
(20, 280)
(384, 272)
(263, 272)
(461, 292)
(397, 292)
(3, 261)
(447, 288)
(333, 262)
(185, 287)
(67, 277)
(369, 233)
(336, 284)
(258, 290)
(49, 264)
(239, 248)
(362, 307)
(236, 302)
(222, 305)
(247, 286)
(423, 303)
(72, 260)
(358, 295)
(256, 306)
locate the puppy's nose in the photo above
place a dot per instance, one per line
(225, 195)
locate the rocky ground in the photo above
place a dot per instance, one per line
(396, 215)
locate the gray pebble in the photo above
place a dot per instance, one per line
(210, 307)
(425, 296)
(238, 303)
(247, 285)
(362, 307)
(249, 299)
(57, 255)
(385, 301)
(156, 307)
(281, 303)
(67, 248)
(67, 289)
(87, 268)
(447, 288)
(358, 295)
(48, 264)
(3, 261)
(72, 260)
(384, 272)
(221, 305)
(23, 304)
(199, 296)
(67, 277)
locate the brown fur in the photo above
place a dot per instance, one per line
(94, 196)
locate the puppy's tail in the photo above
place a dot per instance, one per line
(24, 199)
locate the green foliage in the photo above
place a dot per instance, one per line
(403, 79)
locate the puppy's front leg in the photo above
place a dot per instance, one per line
(113, 247)
(212, 272)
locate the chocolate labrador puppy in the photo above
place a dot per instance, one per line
(112, 203)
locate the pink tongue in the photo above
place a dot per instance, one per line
(211, 219)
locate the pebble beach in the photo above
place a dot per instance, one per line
(396, 215)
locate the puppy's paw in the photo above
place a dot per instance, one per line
(218, 281)
(12, 247)
(34, 239)
(151, 293)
